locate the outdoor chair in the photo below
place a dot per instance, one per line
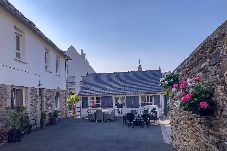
(145, 112)
(154, 117)
(91, 116)
(99, 115)
(146, 118)
(130, 118)
(125, 119)
(138, 122)
(109, 116)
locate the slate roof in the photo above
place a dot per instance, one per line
(16, 13)
(117, 83)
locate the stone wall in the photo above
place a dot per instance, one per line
(193, 133)
(32, 104)
(4, 96)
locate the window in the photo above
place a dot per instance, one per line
(132, 101)
(146, 100)
(157, 100)
(57, 65)
(19, 43)
(120, 101)
(47, 59)
(17, 97)
(84, 102)
(106, 101)
(95, 102)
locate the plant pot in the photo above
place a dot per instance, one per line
(14, 135)
(55, 120)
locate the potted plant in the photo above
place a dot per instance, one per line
(43, 120)
(71, 102)
(15, 133)
(55, 117)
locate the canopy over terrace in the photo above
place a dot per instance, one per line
(131, 89)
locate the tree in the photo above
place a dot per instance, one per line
(72, 100)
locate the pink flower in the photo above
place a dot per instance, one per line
(175, 85)
(203, 105)
(183, 85)
(183, 93)
(197, 78)
(186, 98)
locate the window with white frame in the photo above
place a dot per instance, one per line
(19, 44)
(146, 100)
(47, 59)
(95, 102)
(120, 101)
(17, 97)
(57, 65)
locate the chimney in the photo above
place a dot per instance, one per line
(139, 67)
(82, 54)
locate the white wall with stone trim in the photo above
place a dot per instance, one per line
(32, 70)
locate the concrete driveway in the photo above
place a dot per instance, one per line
(81, 135)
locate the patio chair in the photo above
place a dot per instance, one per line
(146, 118)
(91, 116)
(154, 117)
(99, 115)
(138, 122)
(125, 119)
(109, 116)
(130, 118)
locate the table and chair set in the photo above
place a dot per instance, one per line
(101, 115)
(140, 119)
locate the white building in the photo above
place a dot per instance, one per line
(32, 67)
(78, 67)
(123, 91)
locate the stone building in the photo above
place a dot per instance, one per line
(123, 91)
(32, 67)
(191, 132)
(78, 66)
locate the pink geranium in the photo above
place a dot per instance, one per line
(203, 105)
(175, 85)
(183, 93)
(183, 85)
(197, 78)
(186, 98)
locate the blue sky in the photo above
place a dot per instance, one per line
(115, 34)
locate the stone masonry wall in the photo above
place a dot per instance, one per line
(32, 104)
(189, 132)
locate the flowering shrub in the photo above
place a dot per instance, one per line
(169, 81)
(192, 95)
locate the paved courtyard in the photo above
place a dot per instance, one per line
(81, 135)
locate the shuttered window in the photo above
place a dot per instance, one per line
(106, 101)
(157, 100)
(84, 102)
(132, 101)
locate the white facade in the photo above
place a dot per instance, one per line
(78, 66)
(29, 71)
(124, 110)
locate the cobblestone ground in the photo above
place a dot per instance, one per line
(81, 135)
